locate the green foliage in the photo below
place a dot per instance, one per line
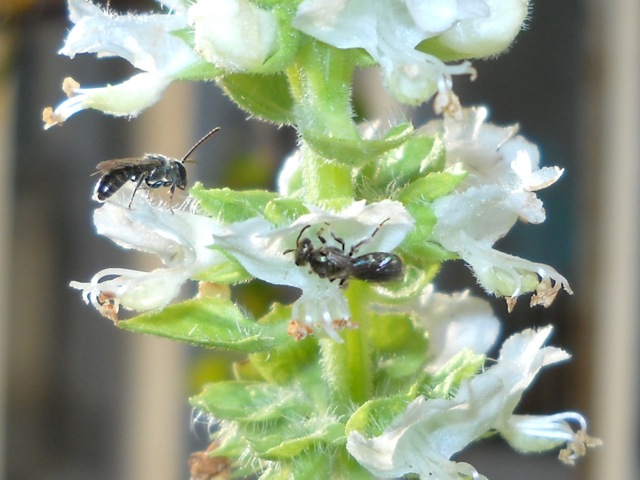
(208, 322)
(230, 206)
(265, 96)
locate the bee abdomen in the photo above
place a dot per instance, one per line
(377, 267)
(110, 183)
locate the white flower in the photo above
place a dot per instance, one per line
(430, 432)
(536, 433)
(487, 35)
(180, 238)
(260, 248)
(503, 176)
(233, 34)
(455, 322)
(148, 42)
(390, 31)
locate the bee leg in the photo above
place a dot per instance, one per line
(355, 248)
(171, 190)
(142, 177)
(340, 241)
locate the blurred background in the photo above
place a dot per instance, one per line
(80, 399)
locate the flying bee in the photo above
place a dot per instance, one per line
(336, 263)
(153, 170)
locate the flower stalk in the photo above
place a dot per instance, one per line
(369, 372)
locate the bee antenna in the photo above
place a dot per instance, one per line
(198, 143)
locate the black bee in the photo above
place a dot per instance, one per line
(336, 264)
(152, 169)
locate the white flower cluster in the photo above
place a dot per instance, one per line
(390, 31)
(185, 243)
(180, 238)
(231, 34)
(503, 174)
(424, 438)
(237, 35)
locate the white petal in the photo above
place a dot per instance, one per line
(503, 174)
(128, 98)
(132, 289)
(290, 176)
(436, 16)
(483, 214)
(489, 153)
(178, 237)
(485, 35)
(233, 34)
(455, 322)
(146, 41)
(181, 239)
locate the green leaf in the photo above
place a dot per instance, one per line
(230, 206)
(297, 435)
(227, 273)
(232, 444)
(287, 362)
(422, 251)
(351, 150)
(414, 282)
(390, 332)
(326, 183)
(321, 84)
(430, 187)
(463, 366)
(209, 322)
(374, 416)
(416, 157)
(250, 401)
(312, 464)
(265, 96)
(280, 211)
(400, 352)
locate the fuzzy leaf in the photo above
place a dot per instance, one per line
(315, 464)
(265, 96)
(280, 211)
(249, 401)
(209, 322)
(230, 206)
(285, 363)
(418, 156)
(430, 187)
(375, 415)
(296, 436)
(227, 273)
(463, 366)
(352, 151)
(417, 244)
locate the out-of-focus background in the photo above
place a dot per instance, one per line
(80, 399)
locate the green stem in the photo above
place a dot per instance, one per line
(347, 366)
(326, 183)
(320, 83)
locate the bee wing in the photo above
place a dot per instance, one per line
(110, 165)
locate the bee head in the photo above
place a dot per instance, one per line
(181, 177)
